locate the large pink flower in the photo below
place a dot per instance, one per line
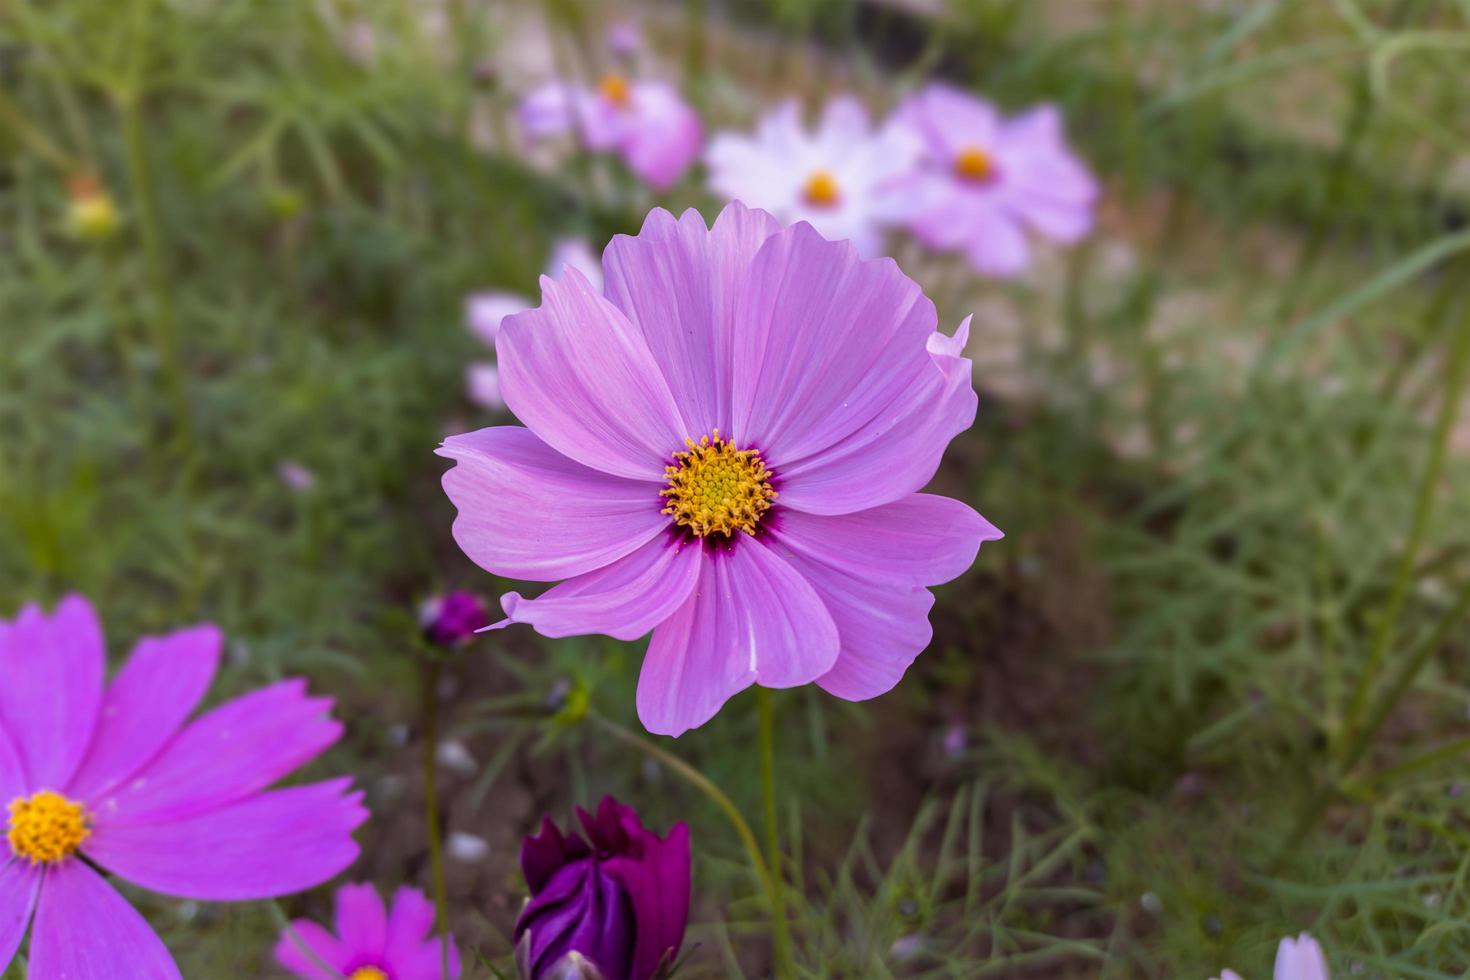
(984, 180)
(115, 776)
(725, 449)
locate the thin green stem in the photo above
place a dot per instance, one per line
(781, 928)
(431, 806)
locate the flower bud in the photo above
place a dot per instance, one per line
(452, 620)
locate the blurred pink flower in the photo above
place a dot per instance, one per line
(114, 777)
(372, 942)
(726, 449)
(482, 385)
(295, 476)
(984, 180)
(624, 39)
(840, 177)
(647, 123)
(1296, 959)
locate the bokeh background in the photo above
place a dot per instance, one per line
(1209, 691)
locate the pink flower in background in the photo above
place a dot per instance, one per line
(624, 39)
(484, 311)
(725, 449)
(647, 123)
(1296, 959)
(984, 180)
(113, 777)
(451, 620)
(372, 942)
(840, 176)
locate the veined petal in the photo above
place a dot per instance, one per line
(308, 950)
(581, 377)
(751, 619)
(149, 698)
(52, 668)
(19, 882)
(268, 845)
(527, 511)
(13, 781)
(85, 930)
(624, 600)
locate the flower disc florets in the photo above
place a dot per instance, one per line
(715, 488)
(46, 827)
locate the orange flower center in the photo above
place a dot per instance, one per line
(714, 488)
(616, 90)
(974, 164)
(367, 973)
(821, 189)
(47, 828)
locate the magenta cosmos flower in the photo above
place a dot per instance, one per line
(371, 943)
(725, 450)
(618, 899)
(984, 180)
(1296, 959)
(840, 176)
(647, 123)
(113, 778)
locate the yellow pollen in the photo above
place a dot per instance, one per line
(615, 89)
(974, 164)
(716, 488)
(47, 828)
(821, 189)
(367, 973)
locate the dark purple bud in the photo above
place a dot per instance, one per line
(618, 899)
(451, 620)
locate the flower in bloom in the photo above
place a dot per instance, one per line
(647, 123)
(1296, 959)
(841, 177)
(372, 942)
(484, 311)
(617, 899)
(114, 777)
(725, 449)
(983, 180)
(452, 620)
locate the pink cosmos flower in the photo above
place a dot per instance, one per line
(725, 449)
(113, 778)
(372, 942)
(840, 177)
(1296, 959)
(645, 122)
(983, 180)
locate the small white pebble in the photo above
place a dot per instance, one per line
(467, 847)
(453, 755)
(1151, 903)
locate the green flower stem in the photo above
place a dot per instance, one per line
(431, 805)
(781, 933)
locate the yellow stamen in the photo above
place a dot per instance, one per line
(716, 488)
(974, 164)
(367, 973)
(616, 90)
(47, 827)
(821, 189)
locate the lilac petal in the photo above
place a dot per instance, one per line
(53, 669)
(664, 137)
(997, 245)
(19, 882)
(674, 281)
(547, 110)
(658, 883)
(574, 252)
(85, 930)
(485, 311)
(896, 452)
(950, 120)
(322, 959)
(482, 385)
(1300, 959)
(581, 377)
(526, 511)
(235, 750)
(825, 342)
(751, 619)
(361, 921)
(13, 780)
(149, 698)
(883, 630)
(272, 844)
(624, 600)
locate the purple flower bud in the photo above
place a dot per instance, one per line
(618, 900)
(451, 620)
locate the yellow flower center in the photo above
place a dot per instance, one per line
(974, 164)
(367, 973)
(615, 89)
(715, 488)
(47, 828)
(821, 189)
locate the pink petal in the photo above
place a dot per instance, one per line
(273, 844)
(235, 750)
(19, 882)
(160, 685)
(485, 311)
(482, 385)
(997, 245)
(426, 963)
(526, 511)
(13, 780)
(322, 959)
(664, 136)
(581, 377)
(547, 110)
(674, 282)
(362, 922)
(950, 120)
(881, 629)
(751, 619)
(898, 450)
(86, 931)
(53, 669)
(825, 342)
(409, 924)
(624, 600)
(1300, 959)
